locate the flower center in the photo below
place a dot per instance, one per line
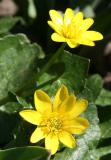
(67, 32)
(54, 124)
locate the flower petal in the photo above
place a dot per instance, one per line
(37, 135)
(56, 17)
(71, 44)
(67, 139)
(52, 142)
(76, 126)
(42, 101)
(57, 28)
(87, 42)
(57, 38)
(79, 107)
(93, 35)
(78, 19)
(68, 16)
(68, 104)
(86, 24)
(31, 116)
(60, 96)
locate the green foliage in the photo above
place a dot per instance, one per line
(18, 61)
(104, 99)
(98, 153)
(29, 153)
(92, 87)
(105, 129)
(21, 63)
(72, 71)
(7, 23)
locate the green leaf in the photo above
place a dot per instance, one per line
(69, 69)
(75, 70)
(7, 23)
(86, 141)
(93, 87)
(24, 153)
(23, 103)
(106, 129)
(96, 154)
(104, 99)
(18, 62)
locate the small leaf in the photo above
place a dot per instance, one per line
(104, 99)
(97, 154)
(93, 87)
(24, 103)
(106, 129)
(7, 23)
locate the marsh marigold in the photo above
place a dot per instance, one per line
(57, 120)
(72, 28)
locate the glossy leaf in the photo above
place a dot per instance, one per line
(93, 87)
(18, 62)
(69, 69)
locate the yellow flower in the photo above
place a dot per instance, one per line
(72, 28)
(58, 120)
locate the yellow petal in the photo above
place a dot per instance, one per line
(86, 42)
(71, 44)
(31, 116)
(67, 139)
(76, 126)
(52, 143)
(37, 135)
(57, 28)
(86, 24)
(79, 107)
(69, 14)
(42, 101)
(60, 96)
(78, 19)
(57, 38)
(56, 17)
(93, 35)
(68, 104)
